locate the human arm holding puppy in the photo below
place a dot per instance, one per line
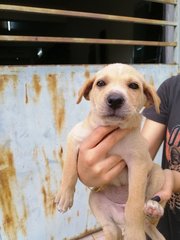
(101, 172)
(102, 169)
(158, 128)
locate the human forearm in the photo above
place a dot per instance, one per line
(153, 132)
(171, 184)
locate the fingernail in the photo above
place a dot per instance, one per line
(156, 198)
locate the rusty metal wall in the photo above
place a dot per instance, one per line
(37, 109)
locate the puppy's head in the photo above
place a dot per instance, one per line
(118, 92)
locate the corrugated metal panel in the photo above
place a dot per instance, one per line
(37, 109)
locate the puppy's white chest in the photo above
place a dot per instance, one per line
(80, 132)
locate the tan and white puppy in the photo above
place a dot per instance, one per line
(117, 93)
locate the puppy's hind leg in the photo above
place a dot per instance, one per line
(153, 232)
(103, 211)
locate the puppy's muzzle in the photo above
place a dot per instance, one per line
(115, 101)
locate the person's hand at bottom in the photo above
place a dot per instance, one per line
(95, 166)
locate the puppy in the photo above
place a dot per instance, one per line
(117, 93)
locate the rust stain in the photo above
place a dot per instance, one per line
(87, 74)
(60, 153)
(57, 154)
(35, 152)
(48, 196)
(46, 181)
(69, 220)
(36, 85)
(58, 101)
(12, 222)
(25, 217)
(151, 81)
(48, 201)
(72, 75)
(15, 82)
(72, 80)
(26, 94)
(5, 80)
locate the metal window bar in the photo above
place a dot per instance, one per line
(177, 34)
(10, 38)
(97, 16)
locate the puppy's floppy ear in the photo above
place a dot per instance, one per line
(85, 90)
(152, 97)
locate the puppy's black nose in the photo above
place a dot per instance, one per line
(115, 101)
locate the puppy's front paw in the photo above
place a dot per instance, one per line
(153, 209)
(64, 200)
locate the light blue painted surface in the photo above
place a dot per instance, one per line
(30, 135)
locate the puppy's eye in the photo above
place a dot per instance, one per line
(101, 83)
(133, 85)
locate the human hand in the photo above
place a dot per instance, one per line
(167, 189)
(95, 167)
(153, 208)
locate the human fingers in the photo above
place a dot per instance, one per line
(106, 165)
(166, 191)
(114, 171)
(103, 172)
(162, 195)
(96, 136)
(152, 207)
(110, 140)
